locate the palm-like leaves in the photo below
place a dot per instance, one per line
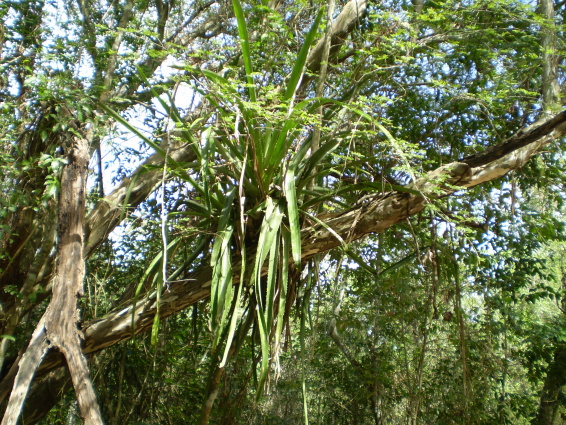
(253, 167)
(258, 148)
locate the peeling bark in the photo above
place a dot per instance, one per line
(59, 328)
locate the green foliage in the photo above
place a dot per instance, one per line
(451, 316)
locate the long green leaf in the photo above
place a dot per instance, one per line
(272, 279)
(173, 113)
(402, 262)
(318, 196)
(302, 58)
(226, 295)
(200, 244)
(282, 140)
(302, 337)
(170, 161)
(220, 80)
(205, 164)
(269, 229)
(321, 153)
(236, 314)
(276, 146)
(284, 266)
(222, 269)
(245, 45)
(149, 271)
(293, 212)
(220, 251)
(325, 149)
(267, 245)
(134, 130)
(238, 310)
(360, 261)
(327, 227)
(231, 152)
(152, 268)
(264, 340)
(197, 208)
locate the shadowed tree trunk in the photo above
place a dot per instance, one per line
(552, 398)
(59, 328)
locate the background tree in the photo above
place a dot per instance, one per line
(244, 142)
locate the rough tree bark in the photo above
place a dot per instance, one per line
(59, 328)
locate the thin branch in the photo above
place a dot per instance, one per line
(113, 59)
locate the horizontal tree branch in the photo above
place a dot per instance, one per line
(552, 128)
(374, 215)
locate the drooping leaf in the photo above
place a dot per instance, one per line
(283, 284)
(222, 270)
(269, 228)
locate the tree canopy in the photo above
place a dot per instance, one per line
(282, 212)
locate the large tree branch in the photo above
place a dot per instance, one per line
(342, 26)
(132, 191)
(539, 132)
(375, 214)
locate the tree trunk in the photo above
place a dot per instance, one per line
(552, 398)
(59, 328)
(550, 85)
